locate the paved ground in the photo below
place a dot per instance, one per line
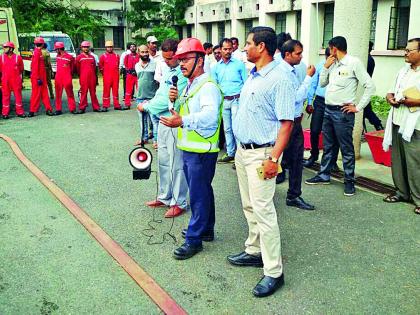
(352, 255)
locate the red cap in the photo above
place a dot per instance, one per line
(85, 43)
(8, 44)
(58, 45)
(189, 45)
(39, 40)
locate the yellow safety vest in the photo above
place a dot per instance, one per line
(192, 141)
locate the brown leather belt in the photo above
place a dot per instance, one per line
(230, 98)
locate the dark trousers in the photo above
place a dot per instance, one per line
(337, 131)
(293, 159)
(124, 77)
(199, 171)
(316, 125)
(370, 115)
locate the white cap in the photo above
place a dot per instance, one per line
(151, 39)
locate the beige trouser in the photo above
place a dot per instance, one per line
(258, 206)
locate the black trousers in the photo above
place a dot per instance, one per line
(370, 115)
(293, 160)
(337, 131)
(124, 77)
(316, 125)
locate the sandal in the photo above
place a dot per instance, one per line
(393, 198)
(417, 210)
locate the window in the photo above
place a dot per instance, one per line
(280, 25)
(248, 27)
(118, 35)
(99, 39)
(398, 24)
(328, 24)
(298, 24)
(189, 30)
(209, 32)
(373, 22)
(221, 30)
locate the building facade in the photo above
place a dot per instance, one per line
(312, 22)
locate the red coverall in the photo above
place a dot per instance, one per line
(109, 66)
(63, 80)
(86, 68)
(130, 61)
(38, 72)
(11, 68)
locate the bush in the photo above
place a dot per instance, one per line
(380, 105)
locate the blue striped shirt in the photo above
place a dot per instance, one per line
(268, 96)
(230, 76)
(315, 88)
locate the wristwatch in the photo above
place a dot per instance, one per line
(273, 159)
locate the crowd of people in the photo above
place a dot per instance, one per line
(186, 90)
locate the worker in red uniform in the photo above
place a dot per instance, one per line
(11, 67)
(130, 61)
(63, 79)
(86, 68)
(39, 81)
(109, 66)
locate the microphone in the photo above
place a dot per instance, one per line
(174, 84)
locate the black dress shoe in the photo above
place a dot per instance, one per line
(118, 108)
(187, 251)
(281, 177)
(31, 114)
(5, 116)
(74, 112)
(104, 110)
(309, 162)
(58, 113)
(49, 113)
(299, 203)
(81, 111)
(268, 286)
(245, 259)
(97, 110)
(205, 238)
(22, 116)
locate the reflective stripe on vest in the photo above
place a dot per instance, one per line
(192, 141)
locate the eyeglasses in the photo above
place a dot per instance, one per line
(407, 51)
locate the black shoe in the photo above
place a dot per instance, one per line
(31, 114)
(299, 203)
(281, 177)
(81, 112)
(118, 108)
(22, 116)
(104, 110)
(187, 251)
(309, 162)
(58, 113)
(268, 286)
(204, 238)
(226, 159)
(74, 112)
(349, 189)
(379, 127)
(125, 107)
(317, 180)
(97, 110)
(234, 166)
(5, 116)
(49, 113)
(245, 259)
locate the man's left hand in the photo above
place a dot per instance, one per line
(349, 108)
(410, 102)
(270, 169)
(172, 121)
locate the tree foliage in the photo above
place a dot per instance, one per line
(48, 15)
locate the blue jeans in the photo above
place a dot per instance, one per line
(144, 123)
(230, 108)
(155, 124)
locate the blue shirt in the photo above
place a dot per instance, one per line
(230, 76)
(315, 88)
(268, 96)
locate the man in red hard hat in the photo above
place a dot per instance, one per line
(11, 68)
(63, 79)
(130, 61)
(109, 66)
(198, 124)
(86, 68)
(39, 80)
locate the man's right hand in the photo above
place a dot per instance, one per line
(173, 94)
(391, 100)
(39, 82)
(309, 109)
(310, 71)
(329, 62)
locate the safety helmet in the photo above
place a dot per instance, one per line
(58, 45)
(9, 44)
(85, 43)
(188, 45)
(109, 43)
(39, 40)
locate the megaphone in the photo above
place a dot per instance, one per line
(141, 160)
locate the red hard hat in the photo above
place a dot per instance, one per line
(39, 40)
(189, 45)
(58, 45)
(85, 43)
(8, 44)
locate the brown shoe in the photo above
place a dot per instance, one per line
(174, 211)
(155, 203)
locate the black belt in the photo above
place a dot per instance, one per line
(252, 146)
(298, 119)
(321, 97)
(334, 107)
(229, 98)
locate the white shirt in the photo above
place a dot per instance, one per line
(161, 66)
(128, 51)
